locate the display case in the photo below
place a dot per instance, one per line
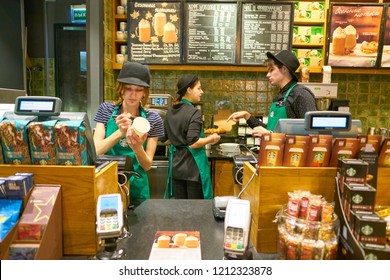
(119, 33)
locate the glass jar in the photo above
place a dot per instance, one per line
(301, 239)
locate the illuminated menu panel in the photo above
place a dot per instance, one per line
(211, 32)
(265, 27)
(154, 32)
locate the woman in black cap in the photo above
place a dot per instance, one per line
(189, 173)
(293, 100)
(113, 133)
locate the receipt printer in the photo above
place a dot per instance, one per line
(219, 206)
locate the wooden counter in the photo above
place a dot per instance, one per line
(267, 194)
(80, 187)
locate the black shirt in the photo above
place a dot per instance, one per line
(300, 100)
(182, 126)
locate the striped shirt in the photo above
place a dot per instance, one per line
(156, 124)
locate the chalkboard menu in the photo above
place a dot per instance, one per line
(265, 26)
(154, 32)
(211, 33)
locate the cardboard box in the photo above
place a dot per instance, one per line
(370, 229)
(358, 197)
(45, 210)
(319, 150)
(376, 252)
(384, 155)
(295, 150)
(372, 172)
(272, 149)
(351, 171)
(344, 148)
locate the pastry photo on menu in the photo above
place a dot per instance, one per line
(354, 34)
(386, 41)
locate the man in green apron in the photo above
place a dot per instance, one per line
(292, 101)
(189, 173)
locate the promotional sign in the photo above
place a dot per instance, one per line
(354, 34)
(154, 32)
(386, 40)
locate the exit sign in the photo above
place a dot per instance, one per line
(78, 13)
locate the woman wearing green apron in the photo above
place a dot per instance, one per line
(189, 173)
(293, 100)
(114, 135)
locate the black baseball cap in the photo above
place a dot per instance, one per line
(288, 59)
(135, 74)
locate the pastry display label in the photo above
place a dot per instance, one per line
(354, 34)
(211, 33)
(266, 26)
(386, 41)
(154, 32)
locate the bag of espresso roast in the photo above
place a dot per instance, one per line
(70, 143)
(41, 141)
(14, 141)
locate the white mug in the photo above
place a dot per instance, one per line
(141, 126)
(120, 58)
(120, 35)
(120, 10)
(123, 49)
(123, 2)
(122, 26)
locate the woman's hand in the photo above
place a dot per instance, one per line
(135, 142)
(214, 138)
(124, 121)
(259, 130)
(238, 115)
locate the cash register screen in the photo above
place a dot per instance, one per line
(238, 215)
(32, 105)
(334, 123)
(109, 202)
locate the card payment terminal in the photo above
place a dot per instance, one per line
(237, 227)
(109, 213)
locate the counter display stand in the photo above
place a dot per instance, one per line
(267, 194)
(81, 186)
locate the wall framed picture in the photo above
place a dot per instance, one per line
(354, 35)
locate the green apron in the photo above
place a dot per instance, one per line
(201, 161)
(139, 187)
(278, 112)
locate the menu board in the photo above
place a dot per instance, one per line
(154, 32)
(386, 41)
(211, 33)
(354, 34)
(266, 26)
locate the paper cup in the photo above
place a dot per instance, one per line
(141, 126)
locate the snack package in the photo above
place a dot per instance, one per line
(70, 143)
(319, 150)
(374, 140)
(344, 148)
(14, 140)
(272, 149)
(41, 141)
(295, 150)
(384, 155)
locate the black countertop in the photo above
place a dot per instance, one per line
(172, 215)
(155, 215)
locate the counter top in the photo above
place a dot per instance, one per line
(173, 215)
(177, 215)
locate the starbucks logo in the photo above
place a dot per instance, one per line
(123, 142)
(367, 230)
(357, 198)
(351, 172)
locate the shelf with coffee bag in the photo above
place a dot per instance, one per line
(309, 33)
